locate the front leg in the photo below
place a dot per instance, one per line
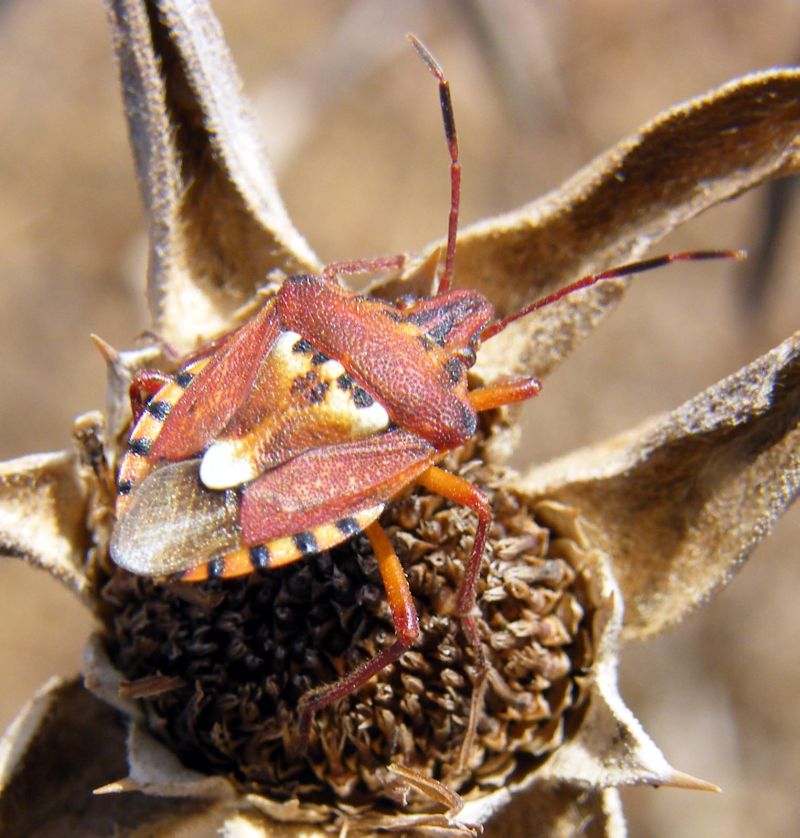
(380, 264)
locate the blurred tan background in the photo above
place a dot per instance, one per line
(351, 121)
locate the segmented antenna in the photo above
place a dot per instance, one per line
(613, 273)
(446, 279)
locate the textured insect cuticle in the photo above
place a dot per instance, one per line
(347, 526)
(215, 568)
(259, 557)
(140, 447)
(306, 543)
(361, 398)
(184, 379)
(258, 648)
(158, 409)
(454, 369)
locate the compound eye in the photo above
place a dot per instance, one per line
(405, 302)
(466, 355)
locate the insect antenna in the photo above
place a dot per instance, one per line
(612, 273)
(446, 279)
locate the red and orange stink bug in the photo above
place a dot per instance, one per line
(290, 434)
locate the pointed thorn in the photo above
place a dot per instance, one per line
(125, 784)
(110, 355)
(680, 780)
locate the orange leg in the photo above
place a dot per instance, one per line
(463, 492)
(507, 392)
(406, 625)
(401, 603)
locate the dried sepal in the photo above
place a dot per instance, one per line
(217, 224)
(679, 503)
(155, 770)
(121, 367)
(611, 748)
(100, 677)
(65, 741)
(550, 809)
(43, 509)
(685, 161)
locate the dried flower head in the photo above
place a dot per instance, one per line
(231, 660)
(192, 689)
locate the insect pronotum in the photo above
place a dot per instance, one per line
(290, 434)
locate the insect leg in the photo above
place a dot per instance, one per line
(359, 266)
(463, 492)
(142, 388)
(507, 392)
(406, 625)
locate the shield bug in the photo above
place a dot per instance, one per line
(291, 434)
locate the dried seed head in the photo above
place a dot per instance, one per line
(234, 657)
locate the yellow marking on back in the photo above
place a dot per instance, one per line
(284, 550)
(296, 405)
(135, 467)
(236, 563)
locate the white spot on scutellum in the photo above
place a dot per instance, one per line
(233, 462)
(226, 465)
(296, 363)
(367, 420)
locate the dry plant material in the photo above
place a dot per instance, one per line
(618, 540)
(248, 651)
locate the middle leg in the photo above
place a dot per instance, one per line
(406, 626)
